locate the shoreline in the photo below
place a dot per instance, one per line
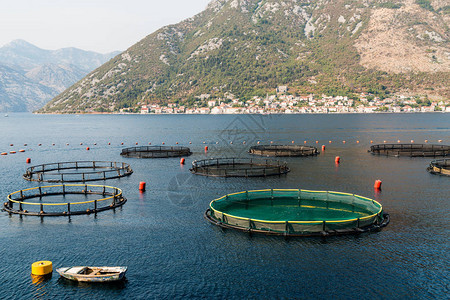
(253, 114)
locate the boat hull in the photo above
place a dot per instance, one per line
(92, 278)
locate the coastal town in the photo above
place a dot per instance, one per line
(284, 103)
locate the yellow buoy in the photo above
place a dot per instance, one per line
(41, 268)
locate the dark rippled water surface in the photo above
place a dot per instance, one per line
(172, 252)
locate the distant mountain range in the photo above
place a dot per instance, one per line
(31, 76)
(249, 47)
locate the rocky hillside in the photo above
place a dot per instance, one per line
(248, 47)
(30, 76)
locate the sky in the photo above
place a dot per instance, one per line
(97, 25)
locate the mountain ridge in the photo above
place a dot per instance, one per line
(31, 76)
(249, 47)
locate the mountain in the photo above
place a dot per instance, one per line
(31, 76)
(249, 47)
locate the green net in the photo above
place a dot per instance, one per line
(296, 211)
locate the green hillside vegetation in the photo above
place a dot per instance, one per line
(247, 54)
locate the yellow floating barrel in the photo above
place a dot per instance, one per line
(41, 268)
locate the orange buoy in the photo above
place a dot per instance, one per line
(142, 186)
(323, 147)
(12, 152)
(371, 142)
(163, 143)
(292, 142)
(384, 142)
(357, 142)
(4, 153)
(21, 150)
(121, 143)
(329, 142)
(440, 141)
(182, 161)
(258, 142)
(176, 143)
(412, 141)
(426, 141)
(28, 160)
(317, 142)
(149, 143)
(304, 142)
(206, 148)
(136, 143)
(398, 141)
(377, 184)
(337, 159)
(343, 142)
(87, 148)
(271, 142)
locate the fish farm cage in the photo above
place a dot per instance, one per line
(238, 167)
(78, 171)
(51, 200)
(440, 167)
(294, 212)
(283, 150)
(410, 150)
(156, 151)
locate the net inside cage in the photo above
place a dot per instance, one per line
(440, 167)
(78, 171)
(296, 211)
(156, 151)
(411, 150)
(283, 150)
(239, 167)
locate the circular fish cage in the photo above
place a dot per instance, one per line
(410, 150)
(297, 213)
(111, 197)
(78, 171)
(238, 167)
(440, 167)
(283, 150)
(156, 151)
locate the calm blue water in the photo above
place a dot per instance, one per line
(172, 252)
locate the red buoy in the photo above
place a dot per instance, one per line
(323, 147)
(292, 142)
(136, 143)
(21, 150)
(190, 142)
(87, 148)
(11, 145)
(377, 184)
(182, 161)
(12, 152)
(4, 153)
(206, 148)
(343, 142)
(142, 186)
(28, 160)
(337, 159)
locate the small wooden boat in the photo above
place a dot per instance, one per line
(93, 274)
